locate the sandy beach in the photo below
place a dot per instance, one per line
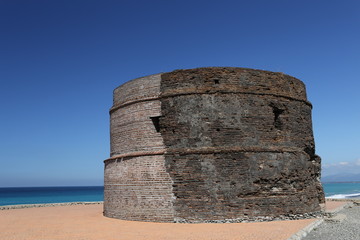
(87, 222)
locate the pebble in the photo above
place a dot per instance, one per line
(346, 229)
(258, 219)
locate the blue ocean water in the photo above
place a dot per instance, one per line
(342, 190)
(37, 195)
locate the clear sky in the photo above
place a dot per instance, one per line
(61, 59)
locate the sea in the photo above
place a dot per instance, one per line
(41, 195)
(342, 190)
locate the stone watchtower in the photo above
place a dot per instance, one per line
(210, 144)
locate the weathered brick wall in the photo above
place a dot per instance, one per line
(137, 186)
(137, 89)
(238, 143)
(132, 129)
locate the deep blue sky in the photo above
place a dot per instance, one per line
(61, 60)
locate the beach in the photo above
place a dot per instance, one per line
(345, 225)
(85, 221)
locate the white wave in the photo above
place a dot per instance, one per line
(342, 196)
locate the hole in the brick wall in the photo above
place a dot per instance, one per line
(218, 129)
(156, 122)
(277, 121)
(216, 81)
(310, 151)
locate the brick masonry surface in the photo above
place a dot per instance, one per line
(211, 144)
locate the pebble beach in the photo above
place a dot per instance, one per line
(344, 225)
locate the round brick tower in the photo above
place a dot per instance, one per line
(211, 144)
